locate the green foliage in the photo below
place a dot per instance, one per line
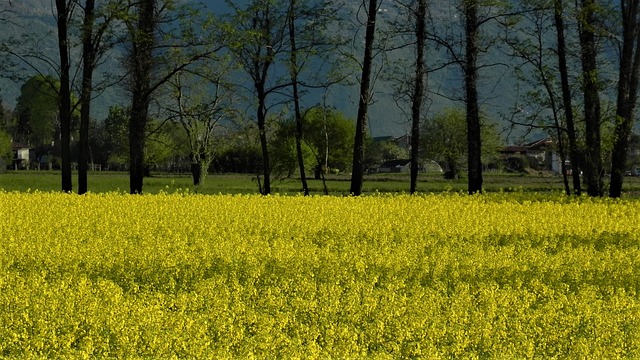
(327, 143)
(239, 153)
(116, 138)
(444, 137)
(284, 153)
(6, 155)
(330, 134)
(378, 152)
(158, 148)
(37, 111)
(159, 143)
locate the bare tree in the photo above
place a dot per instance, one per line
(629, 69)
(64, 10)
(408, 75)
(532, 46)
(96, 27)
(200, 101)
(561, 46)
(5, 20)
(465, 48)
(592, 164)
(261, 31)
(141, 62)
(418, 90)
(67, 68)
(474, 141)
(151, 66)
(357, 172)
(294, 70)
(89, 54)
(312, 58)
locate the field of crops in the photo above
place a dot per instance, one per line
(242, 276)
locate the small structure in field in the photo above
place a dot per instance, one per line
(20, 155)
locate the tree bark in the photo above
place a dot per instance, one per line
(566, 96)
(357, 172)
(474, 141)
(418, 92)
(296, 97)
(199, 169)
(262, 119)
(627, 93)
(64, 96)
(196, 172)
(142, 58)
(88, 60)
(593, 168)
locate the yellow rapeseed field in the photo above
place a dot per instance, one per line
(246, 276)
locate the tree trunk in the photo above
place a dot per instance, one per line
(357, 172)
(418, 92)
(566, 97)
(64, 96)
(562, 151)
(137, 132)
(262, 119)
(474, 141)
(593, 168)
(196, 171)
(142, 63)
(296, 97)
(88, 60)
(627, 94)
(199, 168)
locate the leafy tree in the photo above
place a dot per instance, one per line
(159, 147)
(327, 143)
(330, 135)
(239, 157)
(37, 111)
(239, 152)
(116, 141)
(285, 154)
(443, 140)
(383, 150)
(114, 144)
(6, 155)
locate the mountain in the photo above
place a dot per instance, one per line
(36, 17)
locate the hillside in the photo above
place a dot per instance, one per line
(36, 17)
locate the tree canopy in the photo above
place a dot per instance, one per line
(443, 139)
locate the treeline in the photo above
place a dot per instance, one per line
(248, 67)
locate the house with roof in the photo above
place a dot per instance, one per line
(404, 166)
(540, 155)
(20, 155)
